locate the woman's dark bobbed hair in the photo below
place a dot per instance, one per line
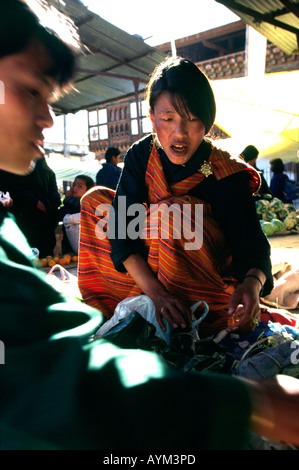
(189, 87)
(20, 26)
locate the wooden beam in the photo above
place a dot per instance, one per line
(291, 6)
(214, 33)
(215, 47)
(91, 73)
(118, 61)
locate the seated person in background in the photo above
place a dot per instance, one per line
(34, 203)
(53, 378)
(108, 176)
(278, 180)
(69, 213)
(250, 155)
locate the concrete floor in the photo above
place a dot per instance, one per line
(285, 248)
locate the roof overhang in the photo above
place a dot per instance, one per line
(277, 20)
(114, 65)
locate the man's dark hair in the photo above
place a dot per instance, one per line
(111, 152)
(250, 153)
(20, 26)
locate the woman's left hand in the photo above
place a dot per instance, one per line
(244, 309)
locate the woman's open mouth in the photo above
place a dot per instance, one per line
(179, 149)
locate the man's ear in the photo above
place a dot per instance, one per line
(151, 113)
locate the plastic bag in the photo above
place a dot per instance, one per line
(35, 252)
(4, 196)
(145, 307)
(72, 228)
(5, 199)
(132, 332)
(67, 284)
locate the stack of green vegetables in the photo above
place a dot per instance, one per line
(275, 216)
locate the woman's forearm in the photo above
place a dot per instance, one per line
(256, 277)
(139, 270)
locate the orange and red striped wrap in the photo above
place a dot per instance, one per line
(193, 274)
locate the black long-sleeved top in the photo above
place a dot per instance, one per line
(277, 184)
(26, 191)
(231, 202)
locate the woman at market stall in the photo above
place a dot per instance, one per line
(178, 166)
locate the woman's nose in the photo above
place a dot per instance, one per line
(181, 127)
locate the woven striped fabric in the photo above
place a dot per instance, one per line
(176, 222)
(204, 273)
(101, 286)
(224, 165)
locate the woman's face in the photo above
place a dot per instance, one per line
(79, 188)
(179, 137)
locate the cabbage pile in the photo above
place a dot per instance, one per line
(275, 216)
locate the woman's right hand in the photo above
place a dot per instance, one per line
(168, 306)
(172, 309)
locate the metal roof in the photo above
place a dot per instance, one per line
(115, 64)
(277, 20)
